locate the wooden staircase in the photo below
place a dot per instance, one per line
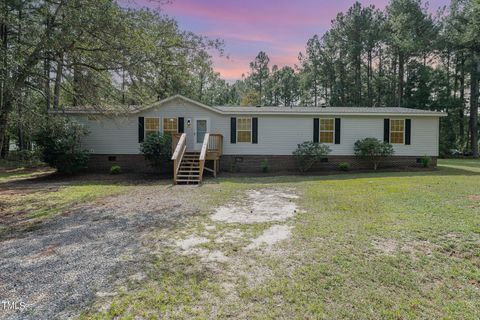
(188, 167)
(189, 170)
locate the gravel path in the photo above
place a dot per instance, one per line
(59, 268)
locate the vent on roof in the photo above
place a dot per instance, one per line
(258, 106)
(323, 105)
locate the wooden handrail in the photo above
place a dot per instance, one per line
(178, 155)
(215, 143)
(203, 154)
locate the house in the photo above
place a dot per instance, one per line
(240, 138)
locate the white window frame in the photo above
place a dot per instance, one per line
(163, 123)
(320, 130)
(145, 126)
(251, 129)
(390, 131)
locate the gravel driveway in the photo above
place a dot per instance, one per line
(59, 268)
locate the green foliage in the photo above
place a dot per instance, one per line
(308, 152)
(264, 166)
(59, 142)
(157, 148)
(425, 161)
(344, 166)
(115, 169)
(373, 150)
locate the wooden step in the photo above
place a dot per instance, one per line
(188, 181)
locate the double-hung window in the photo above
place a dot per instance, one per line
(397, 131)
(152, 125)
(244, 129)
(170, 125)
(327, 130)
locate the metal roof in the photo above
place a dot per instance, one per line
(253, 110)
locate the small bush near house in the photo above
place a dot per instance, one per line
(344, 166)
(59, 142)
(308, 152)
(157, 148)
(373, 150)
(264, 165)
(115, 170)
(425, 161)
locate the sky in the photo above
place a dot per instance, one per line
(281, 28)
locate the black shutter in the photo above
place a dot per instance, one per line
(386, 130)
(181, 125)
(408, 131)
(337, 130)
(255, 130)
(233, 130)
(141, 130)
(316, 129)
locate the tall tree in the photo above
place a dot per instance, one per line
(259, 73)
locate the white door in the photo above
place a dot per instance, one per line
(202, 126)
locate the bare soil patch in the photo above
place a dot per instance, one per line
(271, 236)
(264, 205)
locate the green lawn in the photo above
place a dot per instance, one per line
(395, 245)
(401, 245)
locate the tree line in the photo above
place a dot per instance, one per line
(402, 56)
(58, 53)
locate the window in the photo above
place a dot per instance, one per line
(152, 125)
(244, 129)
(327, 130)
(397, 130)
(170, 125)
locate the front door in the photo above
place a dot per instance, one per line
(202, 126)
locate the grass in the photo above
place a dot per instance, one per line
(387, 245)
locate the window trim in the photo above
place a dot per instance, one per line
(390, 132)
(320, 130)
(145, 126)
(163, 123)
(251, 129)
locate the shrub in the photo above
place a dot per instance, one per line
(115, 170)
(59, 141)
(157, 148)
(344, 166)
(425, 161)
(264, 165)
(234, 167)
(373, 150)
(307, 153)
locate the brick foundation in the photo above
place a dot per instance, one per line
(252, 163)
(245, 163)
(128, 163)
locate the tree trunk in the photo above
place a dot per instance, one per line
(462, 99)
(401, 71)
(58, 81)
(474, 104)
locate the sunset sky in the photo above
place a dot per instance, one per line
(279, 27)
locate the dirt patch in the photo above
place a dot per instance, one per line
(264, 205)
(385, 246)
(271, 236)
(190, 242)
(474, 197)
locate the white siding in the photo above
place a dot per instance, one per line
(277, 134)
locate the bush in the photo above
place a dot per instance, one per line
(59, 141)
(157, 148)
(115, 170)
(425, 161)
(264, 165)
(234, 167)
(373, 150)
(344, 166)
(307, 153)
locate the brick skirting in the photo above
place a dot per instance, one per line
(245, 163)
(128, 163)
(252, 163)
